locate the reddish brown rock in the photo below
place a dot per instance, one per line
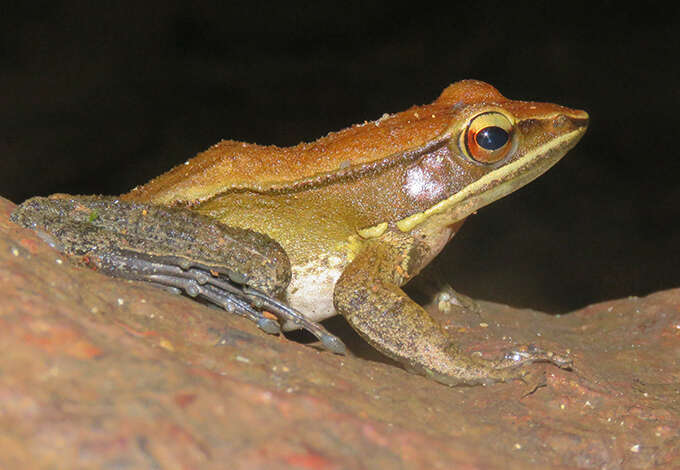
(103, 373)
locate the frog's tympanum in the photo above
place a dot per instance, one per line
(338, 225)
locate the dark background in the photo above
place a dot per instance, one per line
(97, 99)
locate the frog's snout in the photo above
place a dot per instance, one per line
(571, 119)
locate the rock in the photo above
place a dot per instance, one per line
(103, 373)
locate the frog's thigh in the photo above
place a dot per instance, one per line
(368, 296)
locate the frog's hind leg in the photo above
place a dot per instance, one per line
(369, 297)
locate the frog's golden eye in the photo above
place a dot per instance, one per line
(487, 137)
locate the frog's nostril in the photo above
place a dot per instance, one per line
(574, 119)
(578, 117)
(560, 121)
(579, 114)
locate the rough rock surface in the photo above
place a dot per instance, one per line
(103, 373)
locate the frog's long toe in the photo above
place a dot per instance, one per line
(514, 364)
(333, 344)
(170, 289)
(531, 353)
(241, 307)
(329, 341)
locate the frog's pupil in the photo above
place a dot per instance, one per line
(492, 138)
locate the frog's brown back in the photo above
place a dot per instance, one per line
(238, 166)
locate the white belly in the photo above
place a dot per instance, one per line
(311, 290)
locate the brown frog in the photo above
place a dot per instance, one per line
(343, 222)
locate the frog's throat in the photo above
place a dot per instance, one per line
(497, 183)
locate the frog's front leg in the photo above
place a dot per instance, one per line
(369, 296)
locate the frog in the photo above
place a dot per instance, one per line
(359, 212)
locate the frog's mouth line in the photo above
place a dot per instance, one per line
(497, 183)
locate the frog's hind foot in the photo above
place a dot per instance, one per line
(219, 297)
(241, 300)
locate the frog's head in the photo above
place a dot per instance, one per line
(493, 147)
